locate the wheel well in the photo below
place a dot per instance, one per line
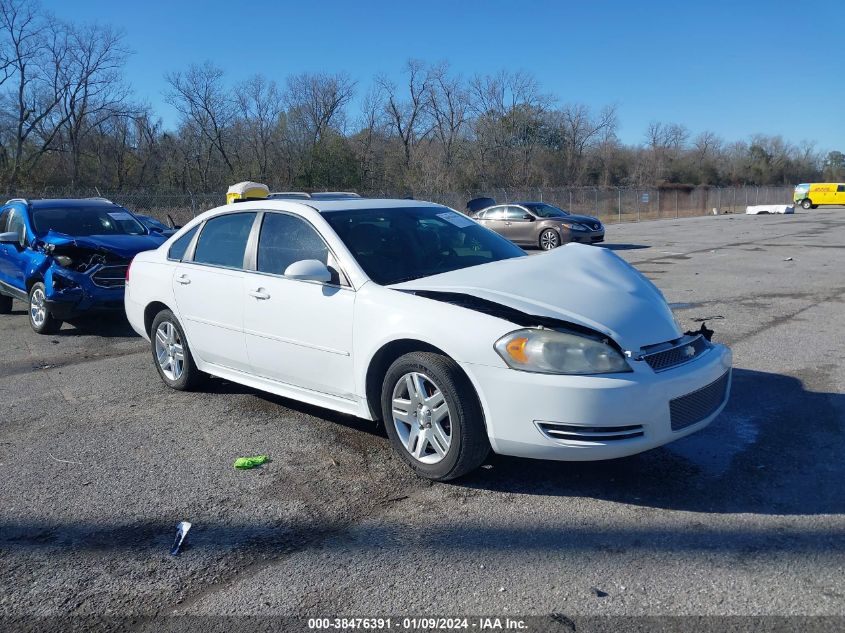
(32, 281)
(150, 313)
(380, 363)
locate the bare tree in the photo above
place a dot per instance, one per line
(316, 104)
(370, 125)
(581, 130)
(509, 124)
(260, 108)
(206, 106)
(93, 88)
(408, 115)
(449, 102)
(35, 53)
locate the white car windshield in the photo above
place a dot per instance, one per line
(395, 245)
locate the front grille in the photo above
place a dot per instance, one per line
(700, 404)
(110, 277)
(596, 226)
(682, 352)
(571, 432)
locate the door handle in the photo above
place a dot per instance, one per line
(183, 279)
(507, 223)
(259, 294)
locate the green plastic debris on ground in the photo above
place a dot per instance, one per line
(243, 463)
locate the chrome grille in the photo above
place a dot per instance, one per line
(684, 351)
(572, 432)
(110, 276)
(699, 404)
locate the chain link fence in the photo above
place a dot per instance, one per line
(611, 205)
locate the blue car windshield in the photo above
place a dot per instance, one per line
(396, 245)
(85, 221)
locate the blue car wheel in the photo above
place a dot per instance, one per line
(40, 317)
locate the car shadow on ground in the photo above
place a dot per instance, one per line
(623, 247)
(775, 449)
(222, 386)
(106, 326)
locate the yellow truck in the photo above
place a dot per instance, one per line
(811, 195)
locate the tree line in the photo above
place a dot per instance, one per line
(68, 119)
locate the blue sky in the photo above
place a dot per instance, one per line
(736, 68)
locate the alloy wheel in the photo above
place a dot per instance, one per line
(421, 418)
(549, 240)
(38, 307)
(169, 351)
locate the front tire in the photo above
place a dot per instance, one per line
(40, 317)
(806, 204)
(171, 354)
(549, 239)
(433, 417)
(5, 304)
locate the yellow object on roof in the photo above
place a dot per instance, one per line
(245, 190)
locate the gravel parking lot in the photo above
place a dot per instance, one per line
(99, 461)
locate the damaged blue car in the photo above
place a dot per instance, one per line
(67, 258)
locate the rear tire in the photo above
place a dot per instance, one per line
(40, 318)
(433, 417)
(171, 355)
(806, 204)
(5, 304)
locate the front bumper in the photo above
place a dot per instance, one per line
(587, 237)
(518, 405)
(70, 294)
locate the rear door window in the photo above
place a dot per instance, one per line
(223, 240)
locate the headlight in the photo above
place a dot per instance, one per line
(575, 227)
(553, 352)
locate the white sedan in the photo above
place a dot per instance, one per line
(413, 314)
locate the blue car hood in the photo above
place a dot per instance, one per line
(125, 246)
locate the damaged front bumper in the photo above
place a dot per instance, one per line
(585, 418)
(71, 294)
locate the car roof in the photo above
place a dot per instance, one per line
(70, 203)
(338, 204)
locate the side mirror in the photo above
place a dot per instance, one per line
(156, 229)
(528, 217)
(10, 238)
(309, 270)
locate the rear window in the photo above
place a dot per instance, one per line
(223, 240)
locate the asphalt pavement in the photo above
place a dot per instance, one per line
(99, 461)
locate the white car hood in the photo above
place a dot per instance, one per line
(586, 285)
